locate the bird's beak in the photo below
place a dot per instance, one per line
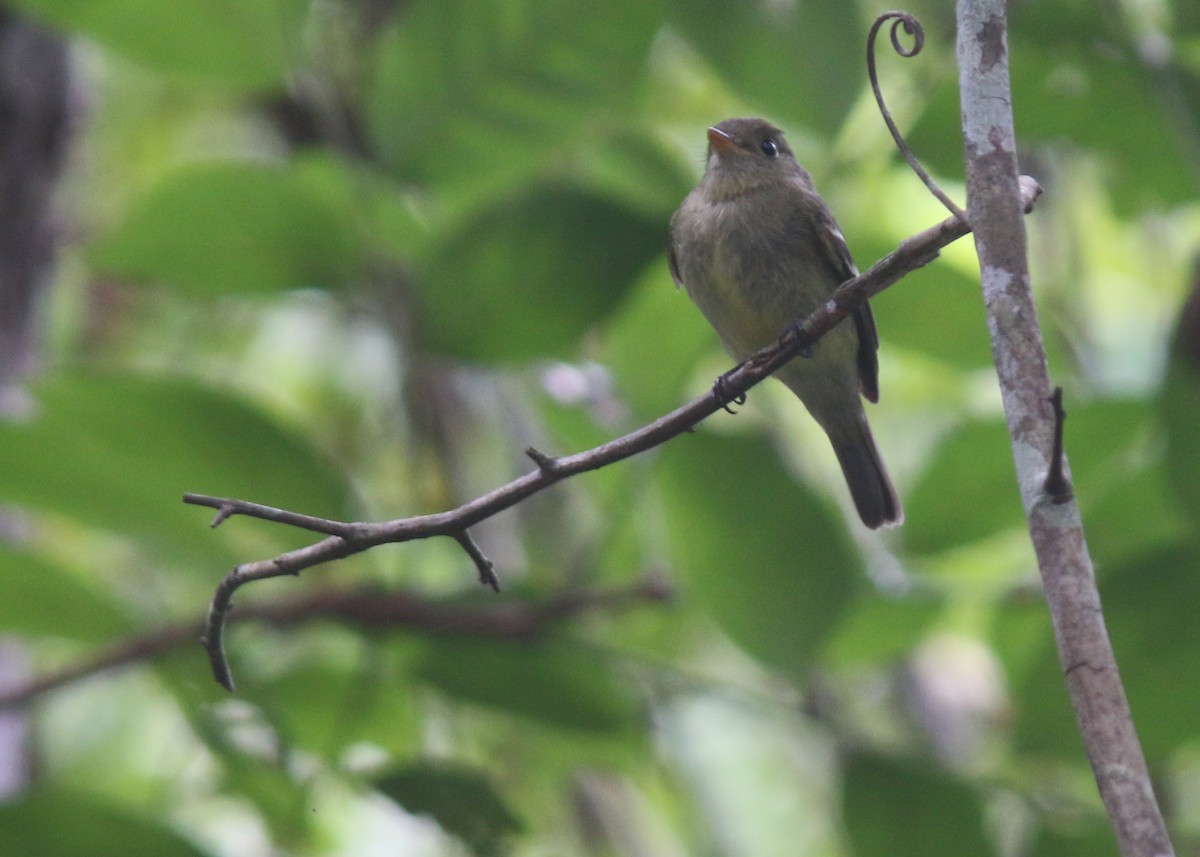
(721, 143)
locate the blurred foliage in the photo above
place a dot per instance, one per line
(464, 803)
(351, 258)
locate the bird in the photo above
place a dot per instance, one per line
(757, 249)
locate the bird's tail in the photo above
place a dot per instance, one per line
(867, 478)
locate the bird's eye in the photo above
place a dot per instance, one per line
(769, 148)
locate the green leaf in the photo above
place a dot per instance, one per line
(1101, 101)
(63, 824)
(239, 43)
(280, 799)
(896, 809)
(772, 51)
(653, 342)
(1099, 433)
(1093, 839)
(1134, 512)
(336, 690)
(462, 800)
(43, 598)
(968, 491)
(118, 451)
(530, 275)
(1149, 605)
(478, 96)
(1179, 406)
(1058, 23)
(1045, 721)
(764, 557)
(636, 168)
(233, 228)
(553, 681)
(880, 630)
(937, 311)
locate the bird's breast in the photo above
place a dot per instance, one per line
(749, 273)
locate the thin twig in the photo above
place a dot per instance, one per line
(226, 509)
(487, 570)
(913, 253)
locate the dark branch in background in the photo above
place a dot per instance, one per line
(36, 132)
(1055, 526)
(504, 619)
(344, 539)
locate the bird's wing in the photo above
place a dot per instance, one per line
(673, 263)
(838, 252)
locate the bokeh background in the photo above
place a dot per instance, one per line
(352, 258)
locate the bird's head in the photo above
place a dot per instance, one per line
(748, 154)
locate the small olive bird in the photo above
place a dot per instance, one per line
(757, 249)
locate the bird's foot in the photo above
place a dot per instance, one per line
(724, 395)
(791, 334)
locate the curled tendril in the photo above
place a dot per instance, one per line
(912, 27)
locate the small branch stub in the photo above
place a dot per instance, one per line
(545, 463)
(487, 570)
(1057, 485)
(223, 514)
(1030, 191)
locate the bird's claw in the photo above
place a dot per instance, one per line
(792, 334)
(721, 391)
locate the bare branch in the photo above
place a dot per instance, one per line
(346, 539)
(227, 508)
(995, 206)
